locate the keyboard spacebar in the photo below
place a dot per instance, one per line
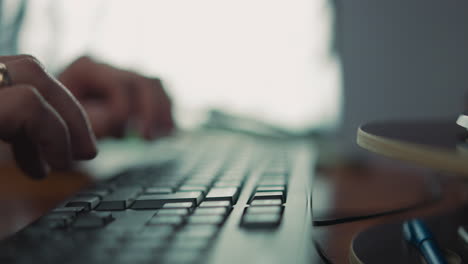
(158, 200)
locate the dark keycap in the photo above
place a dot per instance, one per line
(269, 196)
(101, 192)
(218, 194)
(180, 211)
(67, 215)
(57, 220)
(271, 188)
(261, 220)
(87, 202)
(266, 202)
(159, 190)
(264, 210)
(206, 219)
(186, 205)
(193, 188)
(68, 210)
(173, 220)
(120, 199)
(211, 211)
(93, 220)
(156, 201)
(216, 204)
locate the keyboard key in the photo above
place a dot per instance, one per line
(156, 201)
(269, 196)
(178, 205)
(68, 210)
(193, 188)
(58, 220)
(87, 202)
(120, 199)
(159, 190)
(174, 220)
(261, 220)
(93, 220)
(266, 202)
(211, 211)
(264, 210)
(53, 216)
(101, 192)
(206, 219)
(181, 211)
(215, 204)
(219, 194)
(271, 188)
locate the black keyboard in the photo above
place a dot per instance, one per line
(160, 213)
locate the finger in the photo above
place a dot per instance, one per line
(100, 117)
(28, 158)
(28, 71)
(14, 57)
(154, 113)
(91, 81)
(35, 129)
(165, 105)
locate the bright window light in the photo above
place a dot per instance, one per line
(269, 60)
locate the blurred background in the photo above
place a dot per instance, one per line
(300, 65)
(267, 60)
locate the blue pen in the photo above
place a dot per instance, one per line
(417, 233)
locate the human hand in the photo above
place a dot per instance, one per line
(41, 119)
(115, 98)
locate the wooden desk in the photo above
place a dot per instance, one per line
(334, 240)
(23, 200)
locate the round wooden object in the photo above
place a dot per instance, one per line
(440, 145)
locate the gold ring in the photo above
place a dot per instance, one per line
(4, 76)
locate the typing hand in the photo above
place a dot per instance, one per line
(40, 118)
(115, 98)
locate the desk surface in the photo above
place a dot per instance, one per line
(23, 200)
(335, 240)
